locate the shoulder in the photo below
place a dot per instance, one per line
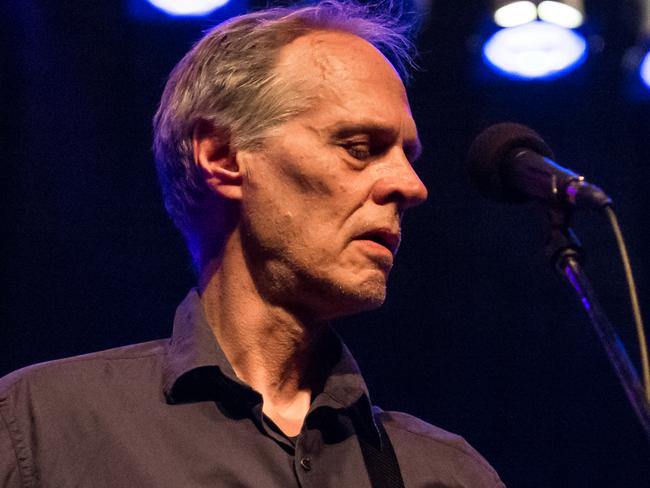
(89, 371)
(75, 402)
(428, 447)
(422, 433)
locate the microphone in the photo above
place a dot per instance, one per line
(510, 162)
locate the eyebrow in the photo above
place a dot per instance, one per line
(412, 148)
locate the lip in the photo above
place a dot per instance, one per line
(383, 237)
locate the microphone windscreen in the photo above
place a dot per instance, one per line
(487, 160)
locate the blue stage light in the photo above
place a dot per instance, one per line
(645, 69)
(188, 8)
(536, 50)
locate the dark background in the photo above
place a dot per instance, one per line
(477, 336)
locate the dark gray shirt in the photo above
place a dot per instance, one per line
(172, 413)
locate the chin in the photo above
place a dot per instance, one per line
(326, 296)
(361, 297)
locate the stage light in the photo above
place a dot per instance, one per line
(644, 43)
(188, 8)
(565, 14)
(536, 50)
(645, 70)
(511, 14)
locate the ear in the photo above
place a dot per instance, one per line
(216, 160)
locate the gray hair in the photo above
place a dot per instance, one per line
(227, 79)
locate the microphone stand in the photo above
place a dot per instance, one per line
(564, 251)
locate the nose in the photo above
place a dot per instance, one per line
(400, 184)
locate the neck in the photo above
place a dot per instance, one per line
(269, 348)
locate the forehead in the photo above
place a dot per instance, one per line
(346, 76)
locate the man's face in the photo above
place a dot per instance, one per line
(323, 199)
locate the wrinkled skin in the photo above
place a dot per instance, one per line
(328, 176)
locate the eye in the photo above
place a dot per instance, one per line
(358, 150)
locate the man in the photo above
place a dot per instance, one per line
(284, 143)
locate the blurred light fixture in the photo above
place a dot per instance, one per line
(536, 50)
(636, 62)
(536, 40)
(187, 8)
(569, 14)
(645, 70)
(644, 42)
(511, 14)
(565, 13)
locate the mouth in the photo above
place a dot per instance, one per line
(386, 238)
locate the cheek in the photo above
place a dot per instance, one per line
(293, 193)
(308, 180)
(270, 224)
(300, 206)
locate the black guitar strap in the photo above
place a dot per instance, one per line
(383, 468)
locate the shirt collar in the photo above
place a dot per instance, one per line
(345, 389)
(196, 369)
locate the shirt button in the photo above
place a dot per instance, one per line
(305, 463)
